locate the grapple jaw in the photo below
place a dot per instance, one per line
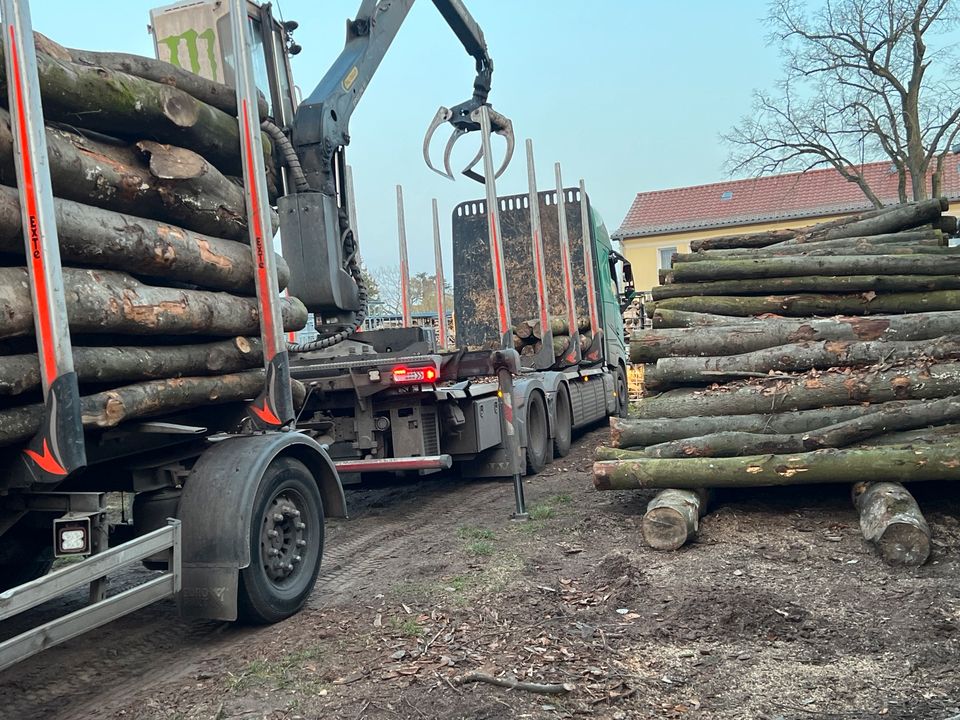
(465, 119)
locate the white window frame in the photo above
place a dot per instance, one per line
(672, 248)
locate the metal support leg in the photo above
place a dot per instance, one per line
(99, 541)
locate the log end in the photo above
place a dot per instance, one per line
(904, 544)
(601, 475)
(665, 529)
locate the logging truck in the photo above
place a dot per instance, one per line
(232, 474)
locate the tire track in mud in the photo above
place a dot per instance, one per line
(111, 666)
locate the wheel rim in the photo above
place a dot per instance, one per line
(284, 537)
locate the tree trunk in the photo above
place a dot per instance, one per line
(891, 520)
(560, 344)
(124, 105)
(723, 335)
(806, 392)
(873, 222)
(798, 357)
(928, 239)
(673, 518)
(131, 402)
(811, 284)
(841, 434)
(924, 436)
(894, 463)
(105, 239)
(924, 247)
(641, 433)
(801, 266)
(947, 224)
(665, 318)
(106, 301)
(20, 373)
(159, 182)
(220, 96)
(807, 305)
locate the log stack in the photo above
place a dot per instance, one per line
(528, 338)
(152, 225)
(824, 354)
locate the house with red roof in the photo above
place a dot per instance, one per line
(662, 222)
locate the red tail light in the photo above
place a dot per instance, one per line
(412, 375)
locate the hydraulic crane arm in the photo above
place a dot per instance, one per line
(318, 240)
(321, 125)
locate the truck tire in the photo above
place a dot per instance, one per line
(26, 553)
(286, 544)
(538, 434)
(563, 424)
(623, 394)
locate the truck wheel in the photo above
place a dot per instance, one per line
(538, 435)
(623, 395)
(286, 544)
(563, 427)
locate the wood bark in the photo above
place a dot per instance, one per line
(923, 436)
(20, 373)
(107, 301)
(106, 239)
(797, 357)
(806, 305)
(124, 105)
(848, 432)
(801, 265)
(664, 318)
(132, 402)
(220, 96)
(886, 220)
(726, 335)
(640, 433)
(149, 180)
(921, 239)
(810, 284)
(894, 463)
(891, 521)
(822, 389)
(673, 518)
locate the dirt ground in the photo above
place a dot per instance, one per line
(779, 611)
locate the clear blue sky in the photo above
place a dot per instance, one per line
(629, 95)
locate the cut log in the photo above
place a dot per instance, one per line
(947, 224)
(220, 96)
(891, 521)
(895, 463)
(793, 358)
(842, 434)
(131, 402)
(526, 329)
(124, 105)
(640, 433)
(724, 335)
(560, 344)
(106, 301)
(105, 239)
(802, 265)
(872, 222)
(136, 180)
(560, 326)
(810, 304)
(806, 392)
(924, 436)
(922, 240)
(673, 517)
(665, 318)
(19, 373)
(810, 284)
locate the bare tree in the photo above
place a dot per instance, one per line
(860, 85)
(386, 301)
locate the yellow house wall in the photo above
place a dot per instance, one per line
(642, 251)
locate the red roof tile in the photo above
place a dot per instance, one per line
(765, 199)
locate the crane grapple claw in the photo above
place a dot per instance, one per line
(465, 120)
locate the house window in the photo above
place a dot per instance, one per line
(665, 257)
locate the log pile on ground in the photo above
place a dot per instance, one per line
(825, 354)
(152, 225)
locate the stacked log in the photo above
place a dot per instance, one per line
(823, 354)
(528, 337)
(152, 225)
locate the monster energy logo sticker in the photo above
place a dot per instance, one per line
(191, 38)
